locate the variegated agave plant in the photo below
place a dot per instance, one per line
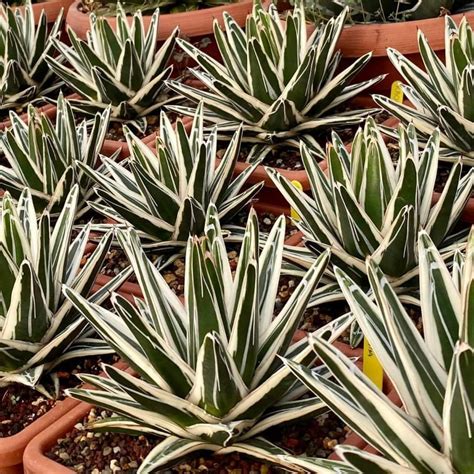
(433, 373)
(24, 72)
(44, 157)
(210, 375)
(125, 70)
(367, 205)
(442, 94)
(39, 328)
(275, 80)
(165, 193)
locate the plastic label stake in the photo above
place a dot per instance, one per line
(371, 365)
(396, 93)
(293, 213)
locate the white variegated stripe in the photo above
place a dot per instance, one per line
(114, 334)
(321, 465)
(435, 278)
(117, 404)
(261, 449)
(364, 460)
(170, 449)
(301, 409)
(166, 397)
(282, 327)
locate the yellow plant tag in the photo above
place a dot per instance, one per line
(371, 365)
(396, 92)
(293, 213)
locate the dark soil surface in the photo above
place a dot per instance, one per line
(315, 317)
(288, 158)
(21, 405)
(103, 453)
(266, 220)
(414, 312)
(115, 131)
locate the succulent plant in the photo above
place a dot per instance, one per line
(367, 205)
(165, 193)
(24, 72)
(442, 94)
(39, 328)
(433, 372)
(124, 70)
(44, 157)
(209, 372)
(279, 83)
(377, 11)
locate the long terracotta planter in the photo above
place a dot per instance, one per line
(192, 24)
(357, 40)
(52, 8)
(13, 447)
(35, 460)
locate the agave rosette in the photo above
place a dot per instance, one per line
(24, 45)
(123, 69)
(432, 372)
(280, 84)
(443, 94)
(44, 157)
(39, 327)
(210, 375)
(367, 205)
(164, 193)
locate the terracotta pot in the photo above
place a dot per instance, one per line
(12, 447)
(357, 40)
(29, 460)
(34, 459)
(52, 9)
(260, 174)
(192, 24)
